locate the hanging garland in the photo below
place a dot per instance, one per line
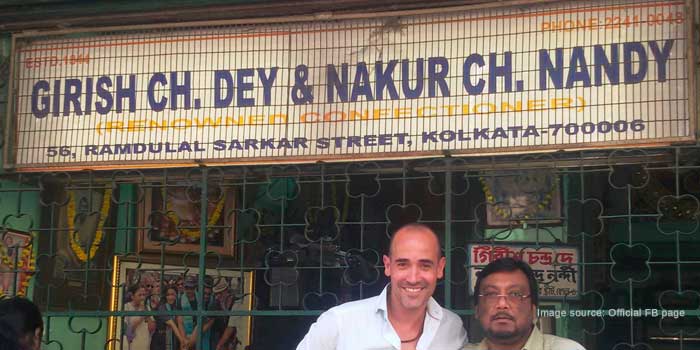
(192, 234)
(73, 236)
(491, 199)
(28, 256)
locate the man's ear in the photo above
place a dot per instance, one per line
(387, 265)
(441, 267)
(37, 337)
(32, 340)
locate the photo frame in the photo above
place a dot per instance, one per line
(146, 275)
(528, 196)
(83, 227)
(169, 217)
(14, 280)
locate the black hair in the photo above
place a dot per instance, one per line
(208, 281)
(8, 339)
(164, 294)
(19, 317)
(508, 264)
(167, 288)
(134, 288)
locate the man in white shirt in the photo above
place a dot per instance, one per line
(404, 316)
(506, 298)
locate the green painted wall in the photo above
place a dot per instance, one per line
(70, 333)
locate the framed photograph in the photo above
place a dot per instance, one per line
(171, 217)
(81, 230)
(525, 197)
(145, 287)
(15, 276)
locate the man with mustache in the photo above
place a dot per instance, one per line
(404, 316)
(506, 306)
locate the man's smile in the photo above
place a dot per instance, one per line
(413, 289)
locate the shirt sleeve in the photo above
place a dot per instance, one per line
(453, 336)
(131, 320)
(579, 347)
(239, 321)
(460, 332)
(323, 334)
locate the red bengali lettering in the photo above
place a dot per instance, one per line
(565, 258)
(543, 258)
(481, 254)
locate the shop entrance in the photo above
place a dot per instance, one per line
(614, 233)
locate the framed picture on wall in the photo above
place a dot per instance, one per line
(149, 287)
(523, 196)
(77, 232)
(16, 262)
(170, 217)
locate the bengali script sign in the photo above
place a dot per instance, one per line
(547, 76)
(556, 267)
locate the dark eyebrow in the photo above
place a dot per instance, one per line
(426, 261)
(421, 261)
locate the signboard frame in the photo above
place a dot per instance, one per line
(11, 135)
(521, 247)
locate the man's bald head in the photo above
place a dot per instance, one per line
(412, 229)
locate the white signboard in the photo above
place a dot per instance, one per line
(556, 267)
(565, 75)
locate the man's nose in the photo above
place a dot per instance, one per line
(502, 302)
(413, 274)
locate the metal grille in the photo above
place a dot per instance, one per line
(289, 241)
(292, 241)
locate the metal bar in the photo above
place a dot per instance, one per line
(204, 217)
(10, 114)
(448, 237)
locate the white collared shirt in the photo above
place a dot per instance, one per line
(364, 325)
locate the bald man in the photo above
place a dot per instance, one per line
(404, 316)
